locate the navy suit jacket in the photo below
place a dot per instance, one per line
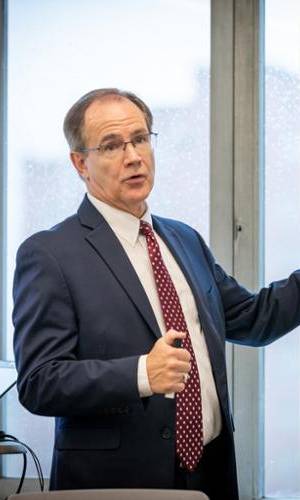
(82, 319)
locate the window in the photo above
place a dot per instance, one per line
(282, 237)
(156, 48)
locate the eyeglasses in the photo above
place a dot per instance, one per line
(142, 143)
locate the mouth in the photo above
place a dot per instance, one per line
(133, 179)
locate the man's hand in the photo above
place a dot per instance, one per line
(167, 366)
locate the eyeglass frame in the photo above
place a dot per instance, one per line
(124, 143)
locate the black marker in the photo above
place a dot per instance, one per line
(177, 343)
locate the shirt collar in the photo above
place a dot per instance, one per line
(124, 224)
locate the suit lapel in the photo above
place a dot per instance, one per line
(177, 248)
(107, 245)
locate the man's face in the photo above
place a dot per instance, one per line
(126, 180)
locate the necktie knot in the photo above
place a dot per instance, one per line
(145, 228)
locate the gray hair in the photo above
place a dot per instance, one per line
(74, 119)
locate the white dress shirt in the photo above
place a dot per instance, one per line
(126, 228)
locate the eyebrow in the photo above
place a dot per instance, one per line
(118, 136)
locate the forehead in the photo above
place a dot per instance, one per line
(112, 115)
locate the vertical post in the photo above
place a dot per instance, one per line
(236, 202)
(248, 235)
(3, 51)
(2, 172)
(221, 140)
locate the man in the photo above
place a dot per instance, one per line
(102, 303)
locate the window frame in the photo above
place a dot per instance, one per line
(3, 222)
(3, 218)
(237, 199)
(248, 377)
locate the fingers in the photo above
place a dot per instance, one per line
(178, 388)
(168, 366)
(179, 367)
(179, 385)
(172, 335)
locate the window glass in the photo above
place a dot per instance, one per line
(57, 51)
(282, 128)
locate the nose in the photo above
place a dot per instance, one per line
(131, 155)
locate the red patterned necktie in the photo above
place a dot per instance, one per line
(189, 426)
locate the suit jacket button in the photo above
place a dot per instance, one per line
(166, 433)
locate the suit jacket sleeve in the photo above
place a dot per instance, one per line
(256, 319)
(52, 380)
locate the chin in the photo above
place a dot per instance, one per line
(141, 195)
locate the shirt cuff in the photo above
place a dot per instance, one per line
(142, 378)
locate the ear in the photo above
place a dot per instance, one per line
(79, 162)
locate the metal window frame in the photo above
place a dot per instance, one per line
(237, 111)
(3, 184)
(249, 242)
(3, 181)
